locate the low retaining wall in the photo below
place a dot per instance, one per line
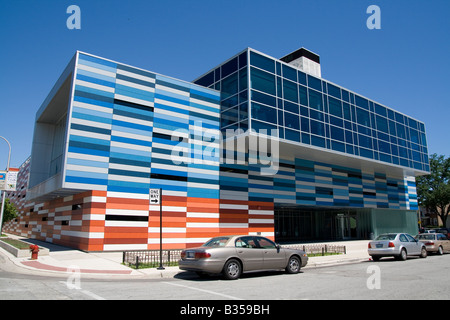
(22, 253)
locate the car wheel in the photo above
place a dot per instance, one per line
(403, 255)
(423, 252)
(294, 265)
(232, 269)
(440, 250)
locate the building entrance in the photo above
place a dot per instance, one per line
(345, 226)
(312, 224)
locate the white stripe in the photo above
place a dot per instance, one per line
(133, 120)
(208, 104)
(89, 106)
(262, 212)
(88, 134)
(91, 123)
(87, 157)
(139, 224)
(202, 225)
(129, 168)
(127, 212)
(131, 135)
(168, 230)
(113, 177)
(270, 221)
(86, 168)
(112, 194)
(205, 215)
(203, 290)
(98, 71)
(173, 90)
(130, 146)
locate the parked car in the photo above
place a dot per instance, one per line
(398, 245)
(444, 231)
(234, 255)
(435, 242)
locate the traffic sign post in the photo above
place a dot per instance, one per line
(156, 198)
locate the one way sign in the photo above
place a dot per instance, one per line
(155, 196)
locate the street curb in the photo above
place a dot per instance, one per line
(170, 272)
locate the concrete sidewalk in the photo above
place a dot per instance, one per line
(63, 261)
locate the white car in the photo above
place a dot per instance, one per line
(398, 245)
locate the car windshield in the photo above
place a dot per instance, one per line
(216, 242)
(427, 236)
(387, 236)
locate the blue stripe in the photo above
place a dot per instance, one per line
(97, 63)
(142, 154)
(91, 112)
(91, 118)
(91, 74)
(128, 156)
(171, 99)
(88, 140)
(132, 141)
(85, 174)
(170, 108)
(131, 125)
(134, 93)
(88, 163)
(84, 180)
(106, 104)
(96, 80)
(93, 152)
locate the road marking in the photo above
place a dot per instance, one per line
(86, 292)
(203, 290)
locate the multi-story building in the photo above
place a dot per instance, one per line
(256, 145)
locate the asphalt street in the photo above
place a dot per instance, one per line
(387, 279)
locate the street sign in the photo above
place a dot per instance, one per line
(11, 179)
(155, 196)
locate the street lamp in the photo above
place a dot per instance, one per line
(4, 191)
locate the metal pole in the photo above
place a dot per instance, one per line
(4, 191)
(160, 231)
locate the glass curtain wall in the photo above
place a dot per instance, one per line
(312, 111)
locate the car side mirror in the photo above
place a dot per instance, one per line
(278, 247)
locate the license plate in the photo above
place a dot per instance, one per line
(379, 245)
(190, 254)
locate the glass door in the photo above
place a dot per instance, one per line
(345, 226)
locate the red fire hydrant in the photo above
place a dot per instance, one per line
(34, 251)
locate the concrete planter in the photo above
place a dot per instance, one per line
(22, 253)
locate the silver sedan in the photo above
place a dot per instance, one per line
(234, 255)
(399, 245)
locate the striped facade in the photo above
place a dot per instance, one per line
(121, 141)
(309, 183)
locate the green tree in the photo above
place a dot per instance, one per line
(9, 212)
(433, 190)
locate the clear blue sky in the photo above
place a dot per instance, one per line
(404, 65)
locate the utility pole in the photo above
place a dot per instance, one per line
(4, 191)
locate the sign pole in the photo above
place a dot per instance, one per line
(4, 191)
(160, 231)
